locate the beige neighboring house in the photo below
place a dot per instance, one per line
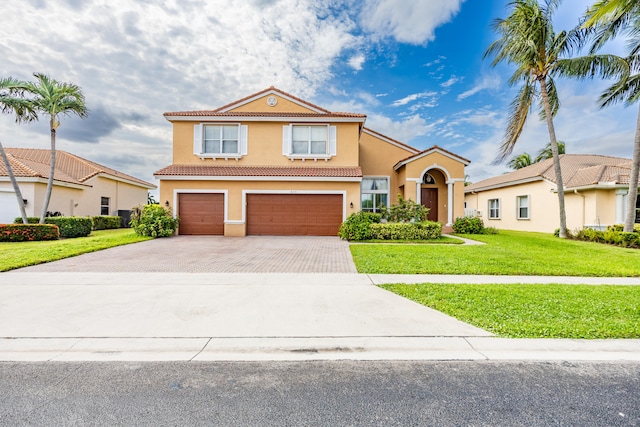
(526, 199)
(274, 164)
(80, 187)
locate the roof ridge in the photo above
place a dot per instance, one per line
(22, 165)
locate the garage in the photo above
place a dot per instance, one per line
(201, 213)
(294, 214)
(9, 209)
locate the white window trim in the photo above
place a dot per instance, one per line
(489, 217)
(108, 205)
(387, 191)
(287, 143)
(198, 142)
(518, 199)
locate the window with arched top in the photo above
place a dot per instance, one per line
(428, 179)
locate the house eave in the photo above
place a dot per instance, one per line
(257, 178)
(506, 184)
(148, 186)
(250, 118)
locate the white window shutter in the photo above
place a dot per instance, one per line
(332, 141)
(244, 130)
(197, 139)
(286, 140)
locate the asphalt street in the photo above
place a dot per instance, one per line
(337, 393)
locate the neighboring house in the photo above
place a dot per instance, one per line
(595, 189)
(80, 187)
(274, 164)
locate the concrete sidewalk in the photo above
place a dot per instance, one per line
(272, 316)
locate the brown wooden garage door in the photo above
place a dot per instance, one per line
(201, 213)
(294, 214)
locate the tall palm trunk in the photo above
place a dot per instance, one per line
(556, 156)
(52, 168)
(633, 181)
(16, 187)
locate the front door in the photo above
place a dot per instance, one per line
(429, 198)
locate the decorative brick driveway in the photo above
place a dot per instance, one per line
(195, 254)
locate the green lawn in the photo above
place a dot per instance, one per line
(536, 311)
(506, 253)
(22, 254)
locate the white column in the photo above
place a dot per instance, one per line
(449, 203)
(620, 206)
(418, 192)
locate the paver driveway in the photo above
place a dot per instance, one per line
(254, 254)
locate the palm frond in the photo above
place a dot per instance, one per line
(518, 113)
(589, 66)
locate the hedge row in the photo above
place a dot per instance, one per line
(106, 222)
(367, 226)
(426, 230)
(28, 232)
(70, 226)
(610, 236)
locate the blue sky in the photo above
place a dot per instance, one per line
(414, 67)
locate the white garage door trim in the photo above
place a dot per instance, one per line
(225, 193)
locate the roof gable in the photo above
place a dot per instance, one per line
(258, 102)
(434, 149)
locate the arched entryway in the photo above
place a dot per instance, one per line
(433, 194)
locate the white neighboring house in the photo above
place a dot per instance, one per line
(80, 187)
(526, 199)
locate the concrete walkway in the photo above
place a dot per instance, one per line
(48, 316)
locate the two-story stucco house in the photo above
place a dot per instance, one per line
(274, 164)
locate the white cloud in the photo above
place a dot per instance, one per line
(407, 21)
(410, 98)
(356, 61)
(406, 130)
(168, 55)
(490, 81)
(451, 81)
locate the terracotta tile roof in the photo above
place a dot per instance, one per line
(578, 170)
(35, 163)
(260, 171)
(395, 141)
(215, 113)
(427, 151)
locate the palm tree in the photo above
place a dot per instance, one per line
(610, 18)
(546, 152)
(521, 161)
(52, 98)
(528, 41)
(12, 102)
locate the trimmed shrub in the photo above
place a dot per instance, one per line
(356, 227)
(153, 221)
(72, 226)
(30, 220)
(610, 236)
(426, 230)
(468, 225)
(407, 211)
(106, 222)
(28, 232)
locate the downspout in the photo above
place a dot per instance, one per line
(584, 215)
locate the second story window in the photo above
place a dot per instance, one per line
(220, 139)
(308, 140)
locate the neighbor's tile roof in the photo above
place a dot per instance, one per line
(578, 170)
(35, 163)
(260, 171)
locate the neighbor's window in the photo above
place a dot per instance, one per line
(220, 139)
(374, 194)
(494, 208)
(522, 203)
(308, 140)
(104, 206)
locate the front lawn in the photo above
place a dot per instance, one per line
(22, 254)
(536, 311)
(506, 253)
